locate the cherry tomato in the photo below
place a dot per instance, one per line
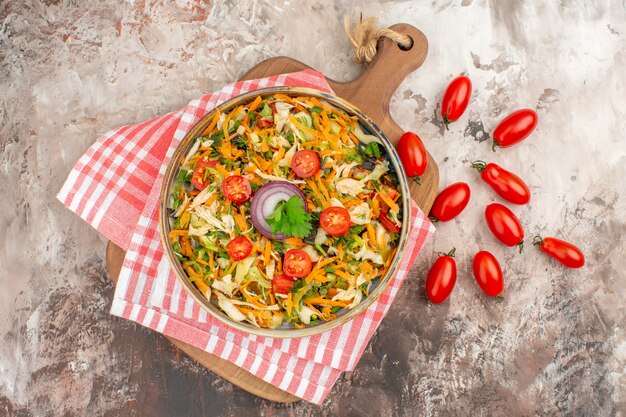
(514, 128)
(236, 189)
(412, 154)
(263, 123)
(450, 202)
(387, 223)
(297, 263)
(282, 284)
(239, 248)
(441, 278)
(198, 177)
(335, 221)
(506, 184)
(564, 252)
(305, 164)
(455, 99)
(505, 225)
(488, 273)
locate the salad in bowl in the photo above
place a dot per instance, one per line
(282, 211)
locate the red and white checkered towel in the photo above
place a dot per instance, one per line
(115, 187)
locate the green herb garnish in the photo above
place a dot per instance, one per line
(290, 218)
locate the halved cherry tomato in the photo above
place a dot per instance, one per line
(450, 202)
(506, 184)
(335, 221)
(441, 278)
(237, 189)
(455, 99)
(505, 225)
(198, 178)
(239, 248)
(412, 154)
(282, 284)
(387, 223)
(297, 263)
(564, 252)
(514, 128)
(488, 273)
(305, 164)
(263, 123)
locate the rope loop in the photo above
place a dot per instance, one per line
(364, 38)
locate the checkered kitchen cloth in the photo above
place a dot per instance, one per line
(115, 188)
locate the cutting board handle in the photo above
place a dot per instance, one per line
(373, 89)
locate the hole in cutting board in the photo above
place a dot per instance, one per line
(406, 48)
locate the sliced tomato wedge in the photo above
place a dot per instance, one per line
(198, 178)
(239, 248)
(335, 221)
(282, 284)
(237, 189)
(297, 263)
(264, 123)
(387, 223)
(305, 164)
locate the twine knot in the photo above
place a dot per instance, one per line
(365, 36)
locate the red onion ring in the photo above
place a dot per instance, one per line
(264, 202)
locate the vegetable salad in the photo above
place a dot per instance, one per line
(284, 211)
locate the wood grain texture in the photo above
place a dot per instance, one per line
(371, 93)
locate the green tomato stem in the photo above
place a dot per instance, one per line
(479, 165)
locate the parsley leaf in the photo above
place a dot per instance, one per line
(290, 218)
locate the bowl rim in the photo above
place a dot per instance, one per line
(164, 225)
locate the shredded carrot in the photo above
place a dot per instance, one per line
(241, 221)
(302, 127)
(210, 200)
(375, 208)
(192, 272)
(289, 303)
(186, 245)
(392, 205)
(294, 241)
(280, 154)
(340, 251)
(212, 124)
(325, 302)
(325, 262)
(211, 262)
(284, 98)
(323, 189)
(232, 268)
(268, 252)
(220, 168)
(317, 193)
(255, 104)
(201, 286)
(176, 233)
(371, 233)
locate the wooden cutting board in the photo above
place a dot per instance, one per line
(371, 92)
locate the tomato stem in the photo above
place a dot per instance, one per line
(537, 240)
(450, 254)
(446, 122)
(520, 246)
(433, 219)
(479, 165)
(495, 145)
(500, 297)
(417, 180)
